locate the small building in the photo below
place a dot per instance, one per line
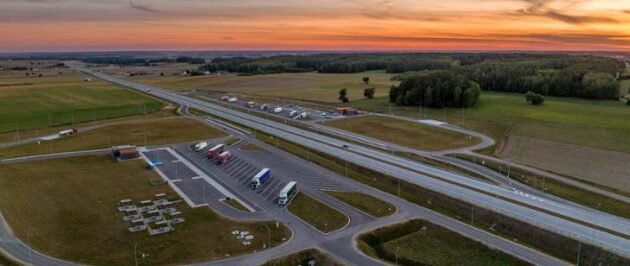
(125, 152)
(347, 111)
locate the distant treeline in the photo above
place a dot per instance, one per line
(583, 76)
(135, 61)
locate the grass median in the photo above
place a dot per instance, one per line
(403, 132)
(366, 203)
(66, 208)
(419, 242)
(317, 214)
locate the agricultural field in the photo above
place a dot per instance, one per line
(404, 132)
(157, 131)
(311, 86)
(61, 97)
(598, 166)
(365, 203)
(419, 242)
(66, 208)
(317, 214)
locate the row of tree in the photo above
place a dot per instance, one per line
(440, 88)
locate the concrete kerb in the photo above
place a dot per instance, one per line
(312, 226)
(361, 211)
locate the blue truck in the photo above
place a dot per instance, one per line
(260, 178)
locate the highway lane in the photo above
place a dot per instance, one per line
(358, 156)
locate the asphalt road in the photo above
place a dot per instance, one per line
(457, 186)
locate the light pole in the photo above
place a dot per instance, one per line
(396, 260)
(268, 236)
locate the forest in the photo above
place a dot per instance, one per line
(584, 76)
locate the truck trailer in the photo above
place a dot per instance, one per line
(277, 110)
(224, 98)
(252, 104)
(200, 146)
(233, 99)
(69, 132)
(224, 157)
(260, 178)
(264, 107)
(293, 113)
(287, 193)
(215, 150)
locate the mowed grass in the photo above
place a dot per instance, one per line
(310, 86)
(402, 132)
(40, 102)
(419, 242)
(365, 203)
(594, 123)
(317, 214)
(158, 131)
(66, 208)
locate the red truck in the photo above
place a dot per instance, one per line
(224, 157)
(215, 150)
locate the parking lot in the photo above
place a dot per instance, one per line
(238, 172)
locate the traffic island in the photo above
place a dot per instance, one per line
(304, 257)
(370, 205)
(419, 242)
(319, 215)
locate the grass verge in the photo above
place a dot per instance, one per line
(403, 132)
(236, 205)
(366, 203)
(557, 188)
(419, 242)
(149, 132)
(317, 214)
(4, 261)
(231, 141)
(251, 147)
(67, 209)
(303, 257)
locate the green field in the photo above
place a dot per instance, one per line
(366, 203)
(404, 132)
(594, 123)
(158, 131)
(310, 86)
(28, 102)
(317, 214)
(419, 242)
(66, 208)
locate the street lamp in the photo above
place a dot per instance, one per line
(135, 256)
(396, 260)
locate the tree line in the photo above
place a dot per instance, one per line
(437, 89)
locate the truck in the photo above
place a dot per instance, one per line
(200, 146)
(277, 110)
(301, 116)
(233, 99)
(224, 157)
(260, 178)
(287, 193)
(293, 113)
(215, 150)
(69, 132)
(264, 107)
(251, 104)
(224, 98)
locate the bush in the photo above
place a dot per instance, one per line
(534, 98)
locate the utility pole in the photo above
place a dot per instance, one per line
(135, 256)
(396, 261)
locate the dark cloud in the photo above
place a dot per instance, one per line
(541, 8)
(144, 8)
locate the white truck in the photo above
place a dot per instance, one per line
(293, 113)
(233, 99)
(301, 116)
(287, 193)
(277, 110)
(200, 146)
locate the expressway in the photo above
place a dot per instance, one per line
(460, 187)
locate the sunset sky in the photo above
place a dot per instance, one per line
(97, 25)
